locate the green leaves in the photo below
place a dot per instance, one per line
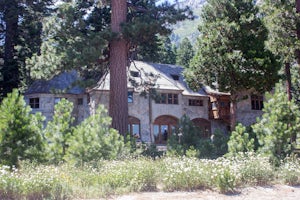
(59, 130)
(20, 131)
(240, 141)
(231, 51)
(93, 140)
(279, 123)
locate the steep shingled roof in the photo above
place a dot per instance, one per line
(169, 77)
(62, 83)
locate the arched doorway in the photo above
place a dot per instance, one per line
(204, 126)
(163, 127)
(134, 127)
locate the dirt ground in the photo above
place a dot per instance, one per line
(276, 192)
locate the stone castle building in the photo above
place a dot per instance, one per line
(158, 97)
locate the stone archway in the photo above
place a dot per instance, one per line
(134, 127)
(163, 127)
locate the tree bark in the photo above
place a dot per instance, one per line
(118, 105)
(233, 109)
(10, 71)
(298, 32)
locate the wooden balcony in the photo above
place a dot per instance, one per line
(219, 108)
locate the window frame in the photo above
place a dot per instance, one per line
(167, 98)
(196, 102)
(130, 100)
(257, 102)
(79, 101)
(34, 102)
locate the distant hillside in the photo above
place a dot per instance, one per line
(188, 28)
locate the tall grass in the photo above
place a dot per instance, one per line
(105, 178)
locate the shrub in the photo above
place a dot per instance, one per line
(290, 171)
(240, 141)
(59, 130)
(93, 139)
(20, 131)
(252, 169)
(184, 137)
(280, 121)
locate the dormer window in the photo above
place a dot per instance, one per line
(175, 77)
(134, 73)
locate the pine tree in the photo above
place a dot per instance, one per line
(282, 20)
(231, 50)
(166, 54)
(280, 121)
(93, 140)
(20, 131)
(20, 37)
(59, 130)
(84, 26)
(185, 53)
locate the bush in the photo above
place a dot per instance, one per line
(188, 137)
(184, 137)
(20, 131)
(59, 130)
(94, 140)
(279, 123)
(240, 141)
(290, 171)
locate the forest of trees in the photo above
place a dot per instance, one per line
(241, 43)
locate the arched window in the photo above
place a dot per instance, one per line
(204, 126)
(163, 128)
(134, 127)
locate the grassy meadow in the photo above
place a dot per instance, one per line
(105, 178)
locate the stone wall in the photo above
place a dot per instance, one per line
(140, 108)
(245, 114)
(47, 103)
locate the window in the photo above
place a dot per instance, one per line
(130, 97)
(195, 102)
(134, 73)
(34, 102)
(163, 128)
(167, 98)
(175, 77)
(257, 102)
(80, 101)
(134, 127)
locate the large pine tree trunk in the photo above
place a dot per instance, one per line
(233, 109)
(10, 71)
(298, 32)
(118, 105)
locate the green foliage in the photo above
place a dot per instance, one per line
(20, 131)
(106, 178)
(295, 78)
(278, 124)
(185, 53)
(59, 130)
(225, 180)
(281, 19)
(20, 23)
(72, 39)
(184, 137)
(166, 52)
(231, 49)
(147, 22)
(240, 141)
(188, 138)
(290, 171)
(94, 140)
(253, 169)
